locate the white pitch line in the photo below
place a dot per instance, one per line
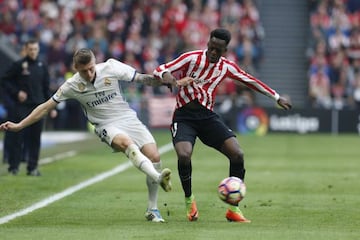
(73, 189)
(57, 157)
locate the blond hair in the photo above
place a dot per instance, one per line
(83, 56)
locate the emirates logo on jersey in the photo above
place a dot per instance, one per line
(107, 82)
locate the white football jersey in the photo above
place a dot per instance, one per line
(102, 100)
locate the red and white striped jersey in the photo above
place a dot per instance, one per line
(207, 77)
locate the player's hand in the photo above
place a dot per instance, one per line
(184, 81)
(168, 78)
(284, 103)
(10, 126)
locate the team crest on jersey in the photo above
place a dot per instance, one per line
(107, 82)
(81, 87)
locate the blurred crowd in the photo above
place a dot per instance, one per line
(334, 54)
(142, 34)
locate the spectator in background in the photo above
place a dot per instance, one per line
(27, 85)
(353, 83)
(335, 38)
(338, 40)
(320, 21)
(320, 50)
(337, 74)
(124, 28)
(7, 26)
(319, 88)
(231, 12)
(355, 94)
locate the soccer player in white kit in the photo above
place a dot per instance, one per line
(96, 87)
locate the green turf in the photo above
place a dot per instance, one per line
(298, 187)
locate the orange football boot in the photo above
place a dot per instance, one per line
(236, 216)
(191, 209)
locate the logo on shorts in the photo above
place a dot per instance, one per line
(103, 133)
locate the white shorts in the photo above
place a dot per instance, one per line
(134, 129)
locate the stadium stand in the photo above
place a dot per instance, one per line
(334, 51)
(140, 33)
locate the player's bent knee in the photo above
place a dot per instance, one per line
(151, 152)
(121, 142)
(154, 157)
(184, 158)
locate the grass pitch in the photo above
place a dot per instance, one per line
(298, 187)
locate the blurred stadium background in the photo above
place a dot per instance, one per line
(299, 186)
(307, 50)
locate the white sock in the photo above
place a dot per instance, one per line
(142, 162)
(153, 189)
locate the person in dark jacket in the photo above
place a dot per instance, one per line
(26, 82)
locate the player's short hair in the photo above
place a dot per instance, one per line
(31, 41)
(221, 33)
(83, 56)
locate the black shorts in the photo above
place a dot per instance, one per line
(188, 124)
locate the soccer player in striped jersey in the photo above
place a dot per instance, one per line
(97, 88)
(199, 73)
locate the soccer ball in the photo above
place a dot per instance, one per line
(232, 190)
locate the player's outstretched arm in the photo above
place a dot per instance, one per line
(147, 79)
(284, 103)
(38, 113)
(168, 78)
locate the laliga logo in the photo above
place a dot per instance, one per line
(253, 121)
